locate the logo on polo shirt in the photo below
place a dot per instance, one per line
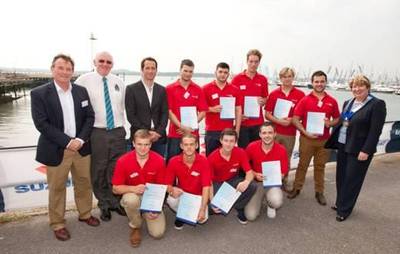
(242, 87)
(233, 170)
(258, 84)
(195, 173)
(134, 174)
(329, 104)
(195, 96)
(151, 173)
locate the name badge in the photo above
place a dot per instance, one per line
(194, 173)
(186, 95)
(233, 170)
(134, 174)
(214, 96)
(320, 103)
(242, 87)
(85, 103)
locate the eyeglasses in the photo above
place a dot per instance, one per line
(105, 61)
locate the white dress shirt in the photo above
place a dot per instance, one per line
(149, 92)
(68, 110)
(93, 82)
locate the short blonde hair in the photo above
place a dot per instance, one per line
(360, 80)
(287, 70)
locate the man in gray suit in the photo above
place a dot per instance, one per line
(146, 106)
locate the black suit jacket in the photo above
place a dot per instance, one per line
(363, 130)
(139, 111)
(47, 116)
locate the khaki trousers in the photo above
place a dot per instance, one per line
(308, 149)
(288, 142)
(274, 198)
(57, 178)
(131, 202)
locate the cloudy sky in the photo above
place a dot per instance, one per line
(305, 34)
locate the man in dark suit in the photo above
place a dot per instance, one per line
(146, 106)
(63, 115)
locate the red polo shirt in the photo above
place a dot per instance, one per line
(223, 170)
(257, 156)
(212, 94)
(192, 179)
(310, 103)
(258, 86)
(178, 96)
(295, 95)
(128, 171)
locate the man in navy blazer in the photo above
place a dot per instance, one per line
(62, 113)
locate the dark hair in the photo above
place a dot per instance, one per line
(318, 74)
(222, 65)
(66, 58)
(266, 124)
(148, 59)
(187, 62)
(228, 132)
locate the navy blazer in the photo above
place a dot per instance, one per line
(47, 116)
(363, 130)
(139, 111)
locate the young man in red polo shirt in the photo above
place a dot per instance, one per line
(312, 145)
(183, 93)
(258, 152)
(133, 170)
(192, 172)
(213, 93)
(225, 164)
(251, 83)
(285, 130)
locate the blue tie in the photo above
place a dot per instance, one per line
(107, 101)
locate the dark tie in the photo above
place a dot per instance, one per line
(107, 101)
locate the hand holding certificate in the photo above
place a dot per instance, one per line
(225, 197)
(189, 117)
(189, 207)
(271, 171)
(282, 108)
(315, 123)
(251, 107)
(228, 107)
(153, 198)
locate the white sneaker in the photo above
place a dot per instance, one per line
(271, 212)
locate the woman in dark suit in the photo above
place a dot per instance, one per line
(355, 137)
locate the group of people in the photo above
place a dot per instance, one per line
(82, 132)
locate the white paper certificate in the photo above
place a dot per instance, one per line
(228, 107)
(315, 123)
(282, 108)
(189, 207)
(153, 198)
(271, 171)
(189, 117)
(251, 107)
(225, 197)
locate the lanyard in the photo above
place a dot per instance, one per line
(348, 112)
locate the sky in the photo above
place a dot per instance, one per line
(304, 34)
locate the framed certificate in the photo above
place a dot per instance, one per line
(189, 208)
(225, 197)
(153, 198)
(271, 171)
(282, 108)
(228, 107)
(315, 123)
(251, 107)
(189, 117)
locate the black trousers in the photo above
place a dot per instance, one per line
(247, 135)
(174, 148)
(242, 201)
(212, 141)
(350, 175)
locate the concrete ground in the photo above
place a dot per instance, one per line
(301, 226)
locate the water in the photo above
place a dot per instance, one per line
(17, 129)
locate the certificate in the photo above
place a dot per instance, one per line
(153, 198)
(228, 107)
(189, 117)
(225, 197)
(282, 108)
(271, 171)
(251, 107)
(189, 208)
(315, 123)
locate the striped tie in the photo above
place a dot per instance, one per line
(109, 113)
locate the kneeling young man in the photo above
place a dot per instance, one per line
(133, 170)
(192, 172)
(258, 152)
(225, 164)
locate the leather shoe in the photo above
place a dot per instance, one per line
(320, 198)
(120, 210)
(91, 221)
(135, 237)
(340, 218)
(62, 234)
(294, 193)
(105, 214)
